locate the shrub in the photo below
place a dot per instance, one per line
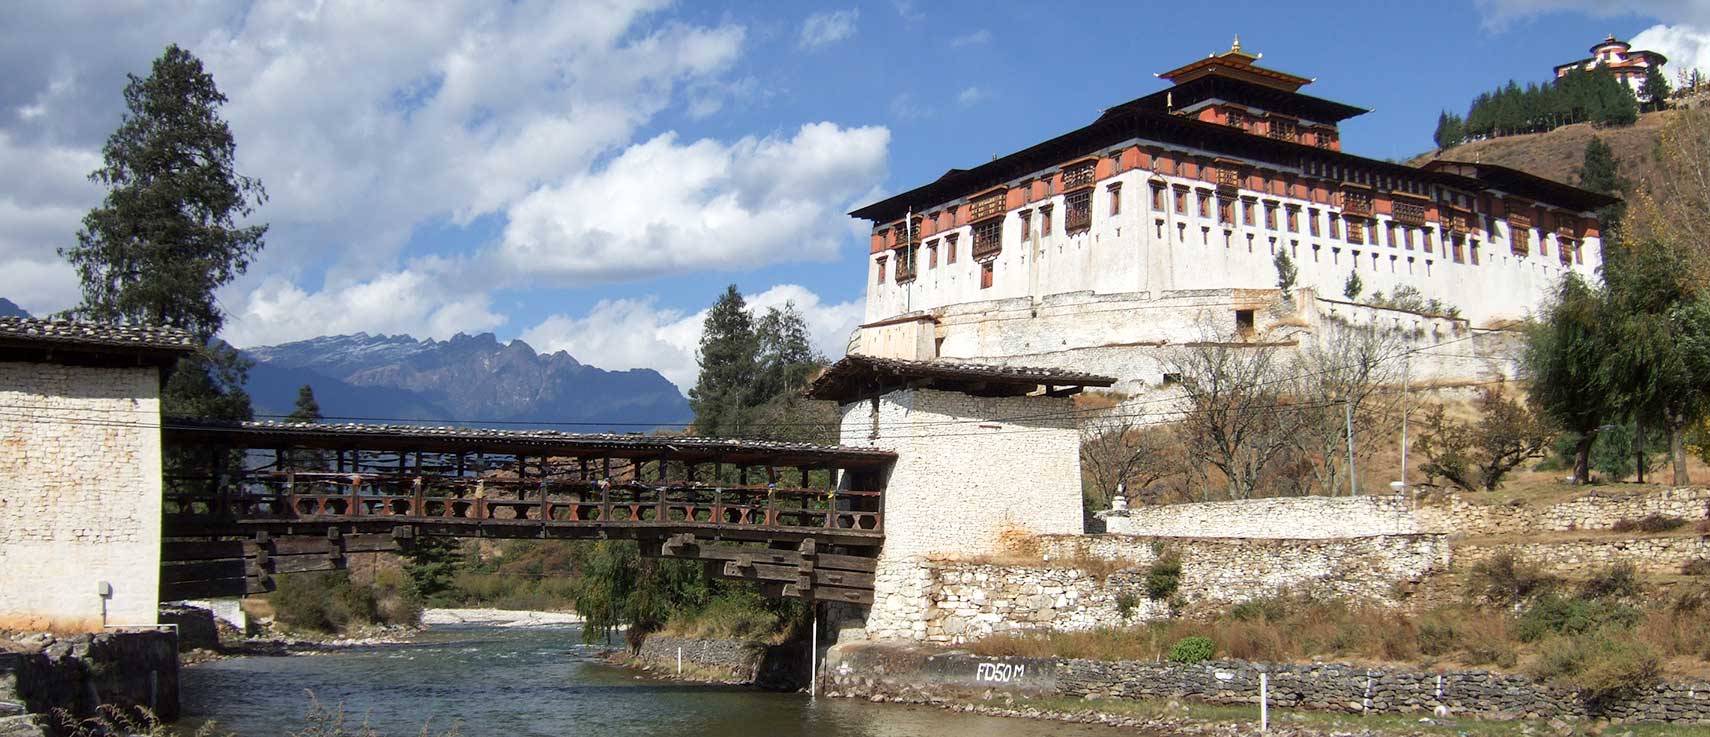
(1262, 609)
(1618, 581)
(328, 601)
(1625, 524)
(1660, 523)
(1195, 649)
(1696, 567)
(1600, 667)
(1479, 455)
(1164, 576)
(300, 600)
(1506, 580)
(1552, 614)
(1125, 604)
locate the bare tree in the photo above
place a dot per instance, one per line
(1121, 449)
(1236, 420)
(1352, 367)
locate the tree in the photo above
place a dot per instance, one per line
(1564, 364)
(1655, 89)
(1449, 130)
(1234, 420)
(1353, 286)
(167, 234)
(786, 356)
(1122, 453)
(306, 408)
(1672, 210)
(1479, 455)
(1351, 369)
(728, 359)
(1287, 272)
(1600, 172)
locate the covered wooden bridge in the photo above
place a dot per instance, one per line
(245, 501)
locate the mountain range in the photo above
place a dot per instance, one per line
(469, 380)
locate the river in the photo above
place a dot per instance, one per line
(540, 682)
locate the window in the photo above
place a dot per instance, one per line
(1270, 216)
(1293, 219)
(950, 248)
(906, 262)
(1181, 201)
(1335, 226)
(1247, 208)
(1519, 238)
(988, 237)
(932, 254)
(1116, 198)
(1472, 253)
(1244, 322)
(1205, 204)
(1044, 220)
(1077, 212)
(1158, 197)
(1427, 240)
(1312, 222)
(986, 275)
(1026, 225)
(881, 271)
(1225, 211)
(1356, 231)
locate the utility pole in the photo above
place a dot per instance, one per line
(1353, 487)
(1406, 363)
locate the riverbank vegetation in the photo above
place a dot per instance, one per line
(1601, 636)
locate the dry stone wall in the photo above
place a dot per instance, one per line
(875, 670)
(1654, 554)
(1284, 517)
(80, 497)
(961, 601)
(1595, 510)
(80, 673)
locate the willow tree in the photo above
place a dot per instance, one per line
(170, 231)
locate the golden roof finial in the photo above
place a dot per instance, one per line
(1237, 45)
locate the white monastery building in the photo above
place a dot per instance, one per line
(1165, 218)
(1628, 66)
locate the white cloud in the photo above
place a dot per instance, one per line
(417, 302)
(630, 333)
(700, 205)
(1499, 14)
(970, 95)
(828, 27)
(971, 39)
(1686, 47)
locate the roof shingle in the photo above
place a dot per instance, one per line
(857, 376)
(92, 337)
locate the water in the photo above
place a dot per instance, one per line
(541, 682)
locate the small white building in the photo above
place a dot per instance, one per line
(80, 472)
(1629, 67)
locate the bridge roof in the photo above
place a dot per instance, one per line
(269, 434)
(858, 377)
(64, 341)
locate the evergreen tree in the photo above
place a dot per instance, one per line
(1658, 349)
(786, 354)
(1449, 130)
(1655, 90)
(729, 363)
(1615, 104)
(306, 408)
(1600, 172)
(166, 236)
(1353, 286)
(1287, 272)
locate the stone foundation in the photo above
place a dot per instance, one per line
(1653, 554)
(80, 673)
(779, 667)
(1596, 510)
(1307, 517)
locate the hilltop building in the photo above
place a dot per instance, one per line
(1163, 220)
(1628, 66)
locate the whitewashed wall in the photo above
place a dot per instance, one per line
(80, 496)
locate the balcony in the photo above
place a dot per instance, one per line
(1459, 222)
(1410, 213)
(988, 239)
(1080, 175)
(1077, 214)
(1283, 130)
(1357, 202)
(989, 206)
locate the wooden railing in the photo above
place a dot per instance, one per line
(1080, 175)
(987, 207)
(1410, 213)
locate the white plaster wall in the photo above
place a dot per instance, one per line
(1142, 249)
(971, 469)
(80, 495)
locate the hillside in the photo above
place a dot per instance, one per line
(1558, 153)
(467, 379)
(10, 309)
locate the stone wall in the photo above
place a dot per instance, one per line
(782, 667)
(959, 601)
(1283, 517)
(872, 669)
(1653, 554)
(82, 672)
(1595, 510)
(80, 497)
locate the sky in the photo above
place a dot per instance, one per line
(589, 176)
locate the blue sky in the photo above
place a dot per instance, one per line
(588, 176)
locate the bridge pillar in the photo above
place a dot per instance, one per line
(986, 456)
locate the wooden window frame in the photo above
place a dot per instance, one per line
(1077, 212)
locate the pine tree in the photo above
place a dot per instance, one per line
(1287, 272)
(1655, 90)
(1600, 172)
(1353, 286)
(729, 361)
(1449, 133)
(167, 235)
(306, 409)
(786, 353)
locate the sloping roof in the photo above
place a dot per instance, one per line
(46, 339)
(1521, 183)
(1243, 92)
(858, 377)
(270, 434)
